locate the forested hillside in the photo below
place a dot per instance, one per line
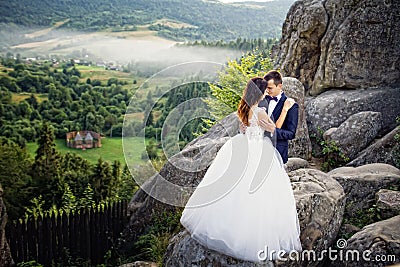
(192, 19)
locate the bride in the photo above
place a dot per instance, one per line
(244, 207)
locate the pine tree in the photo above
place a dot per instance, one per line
(46, 168)
(101, 180)
(128, 185)
(86, 200)
(116, 178)
(15, 163)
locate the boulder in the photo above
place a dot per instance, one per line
(341, 44)
(320, 202)
(327, 134)
(295, 164)
(5, 255)
(362, 183)
(356, 132)
(184, 251)
(377, 244)
(332, 108)
(299, 50)
(388, 203)
(300, 146)
(385, 150)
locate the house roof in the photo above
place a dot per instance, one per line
(78, 137)
(88, 136)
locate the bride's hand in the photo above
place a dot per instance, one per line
(267, 124)
(289, 102)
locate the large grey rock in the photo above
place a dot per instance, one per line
(388, 203)
(184, 251)
(320, 202)
(300, 146)
(332, 108)
(385, 150)
(356, 132)
(341, 44)
(5, 253)
(299, 50)
(362, 183)
(377, 244)
(295, 164)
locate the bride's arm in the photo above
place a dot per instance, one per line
(286, 106)
(264, 119)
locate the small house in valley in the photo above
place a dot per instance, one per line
(83, 139)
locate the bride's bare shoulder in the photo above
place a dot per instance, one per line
(262, 113)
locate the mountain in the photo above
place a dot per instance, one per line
(175, 19)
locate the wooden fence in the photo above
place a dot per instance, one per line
(87, 235)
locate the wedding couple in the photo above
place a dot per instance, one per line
(244, 207)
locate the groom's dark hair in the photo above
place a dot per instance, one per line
(273, 74)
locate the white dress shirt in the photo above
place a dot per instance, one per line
(272, 104)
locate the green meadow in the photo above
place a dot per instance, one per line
(111, 150)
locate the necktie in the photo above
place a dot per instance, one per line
(272, 98)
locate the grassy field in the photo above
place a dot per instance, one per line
(101, 74)
(18, 97)
(111, 150)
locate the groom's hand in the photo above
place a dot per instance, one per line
(268, 125)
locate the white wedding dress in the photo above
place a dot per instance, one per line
(244, 207)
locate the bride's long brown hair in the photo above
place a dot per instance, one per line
(255, 88)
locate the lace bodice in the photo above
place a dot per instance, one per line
(254, 131)
(253, 121)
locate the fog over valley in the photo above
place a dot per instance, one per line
(123, 47)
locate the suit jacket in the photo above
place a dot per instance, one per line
(288, 130)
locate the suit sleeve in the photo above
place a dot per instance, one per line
(288, 130)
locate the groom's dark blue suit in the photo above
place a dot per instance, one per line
(288, 129)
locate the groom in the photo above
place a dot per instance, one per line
(273, 103)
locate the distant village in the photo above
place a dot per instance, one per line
(110, 65)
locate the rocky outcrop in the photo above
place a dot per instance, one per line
(299, 50)
(377, 244)
(320, 202)
(184, 251)
(388, 203)
(295, 164)
(356, 132)
(362, 183)
(5, 253)
(301, 145)
(332, 108)
(341, 44)
(385, 150)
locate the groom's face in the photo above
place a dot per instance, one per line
(272, 89)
